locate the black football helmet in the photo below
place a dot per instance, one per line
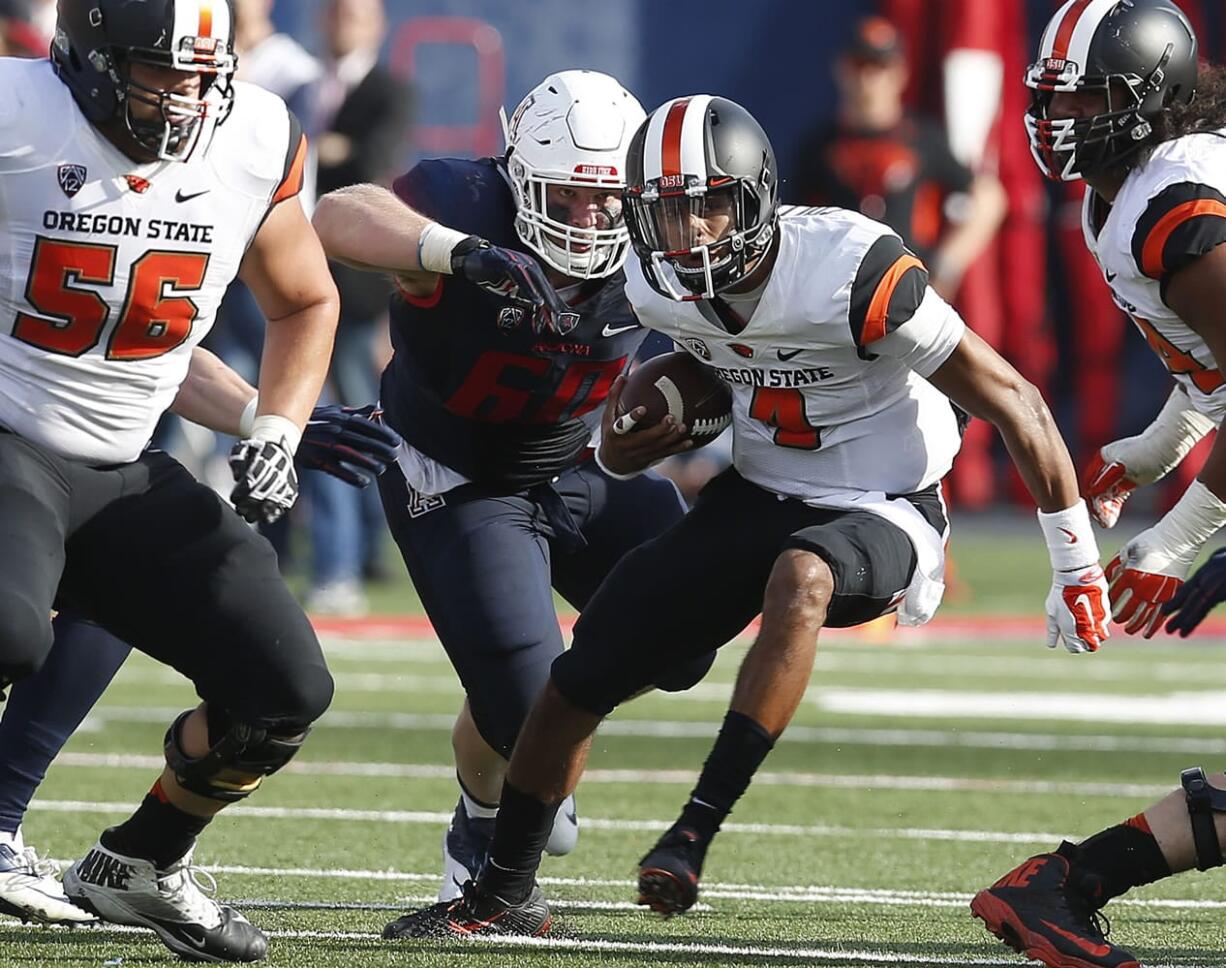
(700, 159)
(1141, 54)
(97, 41)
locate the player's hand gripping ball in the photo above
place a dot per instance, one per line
(675, 385)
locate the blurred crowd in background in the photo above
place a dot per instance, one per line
(907, 110)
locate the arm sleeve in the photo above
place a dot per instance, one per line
(1180, 224)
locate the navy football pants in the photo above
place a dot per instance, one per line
(485, 567)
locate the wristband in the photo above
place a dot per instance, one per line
(435, 245)
(247, 420)
(1069, 537)
(613, 474)
(276, 429)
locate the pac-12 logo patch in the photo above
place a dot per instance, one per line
(72, 178)
(698, 348)
(509, 318)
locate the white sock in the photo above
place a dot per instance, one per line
(475, 809)
(13, 840)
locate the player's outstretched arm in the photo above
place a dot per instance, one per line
(371, 228)
(983, 383)
(1149, 570)
(1123, 465)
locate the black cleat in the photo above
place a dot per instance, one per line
(1038, 913)
(668, 874)
(474, 914)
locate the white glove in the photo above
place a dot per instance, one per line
(1077, 610)
(1077, 602)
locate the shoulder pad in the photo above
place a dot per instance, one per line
(888, 288)
(251, 147)
(468, 196)
(1181, 223)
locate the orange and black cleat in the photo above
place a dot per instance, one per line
(668, 874)
(1036, 911)
(475, 914)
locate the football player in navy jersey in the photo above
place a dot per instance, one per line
(510, 330)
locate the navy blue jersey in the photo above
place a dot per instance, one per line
(472, 382)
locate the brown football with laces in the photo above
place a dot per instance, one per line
(677, 384)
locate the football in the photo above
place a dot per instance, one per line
(676, 384)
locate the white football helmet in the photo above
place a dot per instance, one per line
(572, 129)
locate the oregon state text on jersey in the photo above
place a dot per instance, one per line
(826, 376)
(111, 271)
(1169, 211)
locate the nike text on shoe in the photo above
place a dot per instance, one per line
(465, 845)
(129, 890)
(1037, 912)
(668, 874)
(474, 914)
(30, 890)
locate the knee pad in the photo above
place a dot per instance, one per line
(241, 755)
(1203, 802)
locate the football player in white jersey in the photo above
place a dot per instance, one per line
(1119, 103)
(842, 364)
(137, 179)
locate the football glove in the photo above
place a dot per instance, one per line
(1106, 487)
(1150, 568)
(349, 443)
(266, 484)
(512, 275)
(1077, 610)
(1201, 592)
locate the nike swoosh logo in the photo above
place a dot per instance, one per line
(1111, 276)
(613, 331)
(1072, 538)
(1097, 950)
(786, 355)
(180, 197)
(192, 939)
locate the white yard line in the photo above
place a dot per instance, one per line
(676, 729)
(591, 823)
(430, 771)
(641, 947)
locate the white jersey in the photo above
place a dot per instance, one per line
(112, 271)
(1169, 211)
(828, 395)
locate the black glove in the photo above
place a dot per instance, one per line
(1197, 595)
(267, 484)
(516, 277)
(349, 443)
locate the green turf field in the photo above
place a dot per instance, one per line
(920, 768)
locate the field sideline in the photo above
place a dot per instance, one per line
(922, 765)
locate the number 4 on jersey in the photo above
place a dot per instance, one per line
(785, 411)
(73, 317)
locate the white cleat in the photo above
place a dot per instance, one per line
(129, 890)
(30, 890)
